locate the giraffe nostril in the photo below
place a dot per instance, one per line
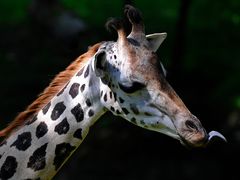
(191, 125)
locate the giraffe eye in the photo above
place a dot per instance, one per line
(135, 86)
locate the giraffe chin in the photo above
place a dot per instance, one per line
(189, 144)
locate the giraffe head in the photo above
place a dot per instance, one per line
(133, 83)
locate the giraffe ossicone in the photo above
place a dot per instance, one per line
(124, 77)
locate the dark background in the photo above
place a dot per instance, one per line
(39, 38)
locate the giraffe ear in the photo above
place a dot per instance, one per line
(100, 63)
(155, 40)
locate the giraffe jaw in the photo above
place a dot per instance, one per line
(164, 126)
(171, 133)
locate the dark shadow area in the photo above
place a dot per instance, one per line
(39, 38)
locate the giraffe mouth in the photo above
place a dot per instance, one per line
(204, 142)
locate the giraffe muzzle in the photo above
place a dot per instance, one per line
(203, 141)
(193, 134)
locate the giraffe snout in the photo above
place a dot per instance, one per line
(193, 134)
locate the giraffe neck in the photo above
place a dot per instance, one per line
(40, 147)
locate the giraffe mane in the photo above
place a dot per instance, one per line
(54, 87)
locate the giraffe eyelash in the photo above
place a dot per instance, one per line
(164, 71)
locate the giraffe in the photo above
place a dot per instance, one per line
(124, 77)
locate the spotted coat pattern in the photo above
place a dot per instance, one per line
(67, 116)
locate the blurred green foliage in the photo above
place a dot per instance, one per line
(14, 11)
(93, 11)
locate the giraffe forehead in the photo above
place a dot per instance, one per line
(145, 65)
(141, 57)
(135, 54)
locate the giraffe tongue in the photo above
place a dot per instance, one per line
(213, 134)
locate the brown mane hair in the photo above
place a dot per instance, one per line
(55, 86)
